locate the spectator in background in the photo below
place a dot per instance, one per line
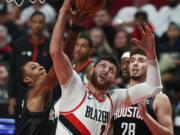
(15, 12)
(125, 16)
(3, 83)
(7, 21)
(170, 40)
(100, 44)
(121, 42)
(169, 50)
(31, 47)
(167, 14)
(45, 8)
(102, 19)
(5, 48)
(56, 4)
(82, 63)
(140, 17)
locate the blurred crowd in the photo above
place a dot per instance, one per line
(25, 38)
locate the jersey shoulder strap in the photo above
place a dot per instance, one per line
(149, 106)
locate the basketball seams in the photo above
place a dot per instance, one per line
(89, 6)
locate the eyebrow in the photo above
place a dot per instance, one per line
(142, 58)
(34, 64)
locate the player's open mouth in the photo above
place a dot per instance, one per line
(102, 77)
(135, 71)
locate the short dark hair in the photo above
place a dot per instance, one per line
(86, 37)
(22, 74)
(38, 13)
(174, 24)
(110, 58)
(143, 14)
(4, 64)
(137, 50)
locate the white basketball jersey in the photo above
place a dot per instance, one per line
(82, 113)
(90, 117)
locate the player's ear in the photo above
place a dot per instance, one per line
(28, 81)
(91, 70)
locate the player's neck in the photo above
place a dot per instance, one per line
(95, 91)
(133, 82)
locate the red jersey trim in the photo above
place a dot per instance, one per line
(6, 48)
(76, 106)
(78, 124)
(100, 100)
(83, 65)
(35, 46)
(110, 100)
(34, 56)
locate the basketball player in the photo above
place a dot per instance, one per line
(38, 117)
(124, 66)
(154, 116)
(87, 109)
(125, 58)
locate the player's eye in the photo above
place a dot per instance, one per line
(34, 67)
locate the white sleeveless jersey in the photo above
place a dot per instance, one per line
(81, 112)
(91, 117)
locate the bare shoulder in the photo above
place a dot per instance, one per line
(161, 98)
(162, 101)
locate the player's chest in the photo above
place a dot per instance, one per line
(94, 111)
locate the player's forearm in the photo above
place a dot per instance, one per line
(151, 54)
(56, 46)
(153, 78)
(155, 127)
(51, 80)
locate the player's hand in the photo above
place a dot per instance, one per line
(65, 7)
(11, 106)
(142, 108)
(80, 18)
(147, 42)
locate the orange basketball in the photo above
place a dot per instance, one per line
(89, 6)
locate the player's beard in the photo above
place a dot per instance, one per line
(101, 86)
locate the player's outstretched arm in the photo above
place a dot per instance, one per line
(153, 84)
(60, 60)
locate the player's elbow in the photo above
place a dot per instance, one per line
(54, 52)
(157, 89)
(169, 132)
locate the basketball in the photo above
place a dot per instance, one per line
(89, 6)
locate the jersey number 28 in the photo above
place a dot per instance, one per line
(128, 128)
